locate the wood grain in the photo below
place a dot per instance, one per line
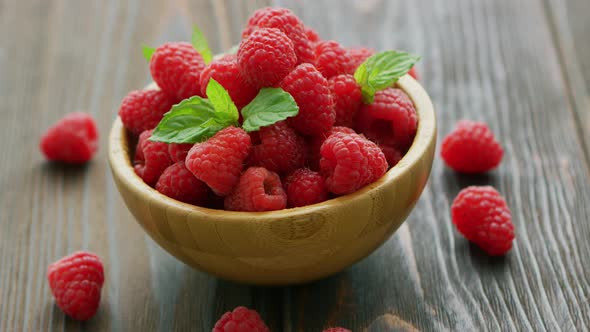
(520, 65)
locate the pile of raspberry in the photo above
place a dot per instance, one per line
(334, 146)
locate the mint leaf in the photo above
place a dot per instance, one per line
(381, 70)
(191, 121)
(201, 45)
(270, 106)
(222, 103)
(148, 52)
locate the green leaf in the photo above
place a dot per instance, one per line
(191, 121)
(148, 52)
(270, 106)
(222, 103)
(381, 70)
(201, 45)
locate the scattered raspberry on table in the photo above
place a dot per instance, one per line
(76, 282)
(241, 319)
(72, 140)
(481, 214)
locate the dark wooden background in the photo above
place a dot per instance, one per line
(523, 66)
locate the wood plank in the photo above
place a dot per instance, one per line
(81, 55)
(494, 61)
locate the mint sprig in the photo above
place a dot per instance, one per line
(270, 106)
(381, 70)
(148, 51)
(201, 45)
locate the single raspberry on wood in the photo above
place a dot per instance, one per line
(286, 21)
(143, 110)
(305, 187)
(471, 148)
(315, 143)
(278, 148)
(265, 57)
(179, 183)
(350, 162)
(481, 214)
(73, 139)
(359, 55)
(347, 98)
(332, 59)
(151, 158)
(178, 151)
(75, 282)
(391, 119)
(176, 68)
(312, 94)
(257, 190)
(241, 319)
(219, 160)
(227, 73)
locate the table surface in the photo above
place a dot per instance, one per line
(521, 66)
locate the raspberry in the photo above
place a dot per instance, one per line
(482, 216)
(359, 55)
(392, 155)
(332, 59)
(143, 110)
(179, 183)
(336, 329)
(176, 68)
(280, 149)
(227, 73)
(219, 160)
(347, 98)
(265, 57)
(178, 152)
(391, 119)
(284, 20)
(75, 282)
(312, 94)
(471, 148)
(349, 162)
(257, 190)
(413, 73)
(317, 141)
(73, 139)
(151, 158)
(312, 35)
(305, 187)
(241, 319)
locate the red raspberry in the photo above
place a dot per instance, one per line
(312, 35)
(280, 149)
(483, 217)
(317, 141)
(75, 282)
(413, 73)
(392, 155)
(73, 139)
(176, 68)
(219, 160)
(143, 110)
(312, 94)
(284, 20)
(178, 152)
(258, 190)
(336, 329)
(265, 57)
(227, 73)
(347, 98)
(359, 55)
(349, 162)
(151, 158)
(332, 59)
(179, 183)
(391, 119)
(241, 319)
(471, 148)
(305, 187)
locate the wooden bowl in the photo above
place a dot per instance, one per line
(287, 246)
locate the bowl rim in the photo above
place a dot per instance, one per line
(120, 163)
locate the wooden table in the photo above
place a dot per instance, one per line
(522, 66)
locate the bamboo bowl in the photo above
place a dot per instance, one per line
(287, 246)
